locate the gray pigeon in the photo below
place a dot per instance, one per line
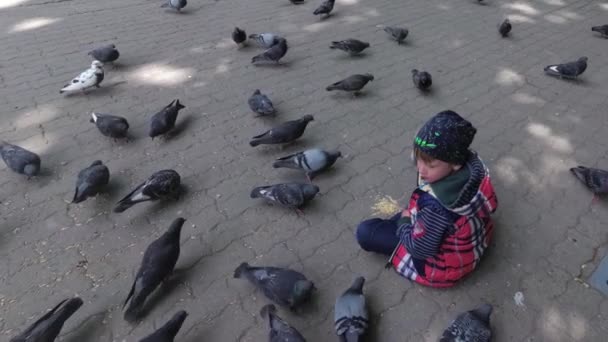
(19, 159)
(167, 332)
(47, 327)
(283, 133)
(594, 179)
(350, 313)
(164, 121)
(313, 161)
(325, 8)
(352, 46)
(290, 195)
(470, 326)
(569, 70)
(396, 33)
(280, 331)
(504, 28)
(422, 79)
(90, 181)
(162, 184)
(265, 39)
(239, 37)
(352, 83)
(175, 4)
(297, 2)
(283, 286)
(110, 125)
(603, 30)
(105, 54)
(261, 104)
(273, 54)
(157, 264)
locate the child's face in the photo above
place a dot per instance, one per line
(435, 170)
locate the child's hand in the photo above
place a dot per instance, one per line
(405, 213)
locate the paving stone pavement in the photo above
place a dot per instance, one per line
(531, 130)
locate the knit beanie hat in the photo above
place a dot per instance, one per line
(447, 137)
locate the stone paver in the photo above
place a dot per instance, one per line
(531, 129)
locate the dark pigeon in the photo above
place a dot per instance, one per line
(594, 179)
(603, 30)
(273, 54)
(162, 184)
(261, 104)
(19, 159)
(352, 83)
(470, 326)
(265, 39)
(313, 161)
(569, 70)
(90, 181)
(283, 286)
(105, 54)
(396, 33)
(283, 133)
(325, 8)
(297, 2)
(422, 79)
(505, 28)
(239, 36)
(175, 4)
(110, 125)
(48, 326)
(350, 313)
(167, 332)
(352, 46)
(290, 195)
(164, 121)
(280, 331)
(159, 260)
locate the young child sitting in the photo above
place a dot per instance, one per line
(442, 234)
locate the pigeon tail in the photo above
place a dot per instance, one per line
(352, 336)
(254, 143)
(256, 192)
(288, 163)
(267, 310)
(124, 205)
(241, 269)
(579, 172)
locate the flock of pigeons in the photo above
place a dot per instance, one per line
(285, 287)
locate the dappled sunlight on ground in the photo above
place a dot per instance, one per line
(523, 7)
(316, 27)
(161, 74)
(33, 23)
(550, 139)
(11, 3)
(385, 206)
(555, 323)
(509, 77)
(525, 98)
(42, 113)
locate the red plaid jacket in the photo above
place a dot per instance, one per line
(462, 247)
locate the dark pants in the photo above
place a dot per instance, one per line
(379, 235)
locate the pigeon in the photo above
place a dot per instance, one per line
(313, 161)
(283, 286)
(261, 104)
(164, 121)
(19, 159)
(603, 30)
(297, 2)
(471, 326)
(569, 70)
(239, 36)
(265, 40)
(290, 195)
(89, 78)
(47, 327)
(422, 79)
(396, 33)
(505, 28)
(280, 331)
(90, 181)
(273, 54)
(352, 46)
(175, 4)
(162, 184)
(352, 83)
(283, 133)
(111, 126)
(157, 264)
(167, 332)
(105, 54)
(594, 179)
(325, 8)
(350, 313)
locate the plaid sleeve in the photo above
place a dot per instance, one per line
(423, 237)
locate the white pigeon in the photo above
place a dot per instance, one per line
(89, 78)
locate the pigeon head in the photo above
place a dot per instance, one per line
(97, 162)
(176, 226)
(583, 59)
(414, 71)
(96, 65)
(310, 190)
(307, 118)
(257, 92)
(31, 169)
(69, 306)
(302, 290)
(483, 312)
(358, 284)
(179, 105)
(336, 154)
(369, 76)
